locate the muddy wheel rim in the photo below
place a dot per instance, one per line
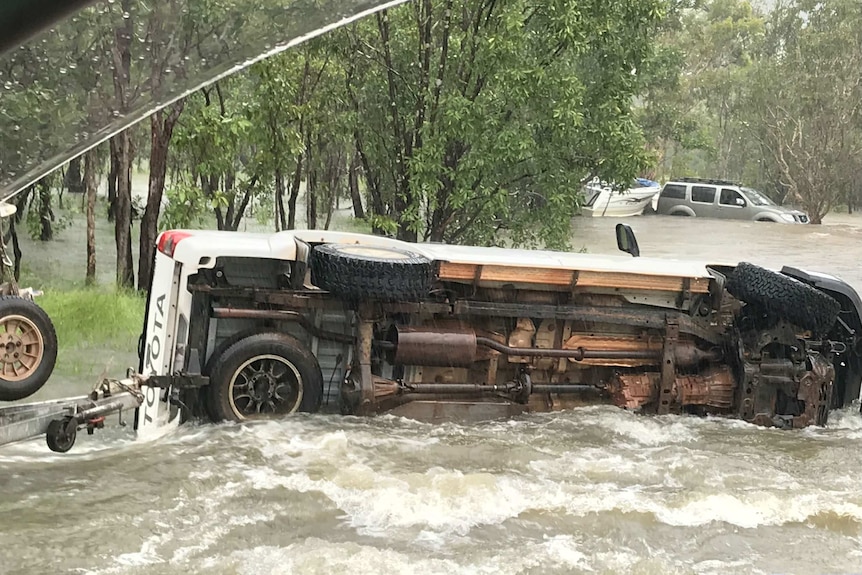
(21, 347)
(265, 386)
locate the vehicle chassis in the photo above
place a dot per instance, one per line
(488, 349)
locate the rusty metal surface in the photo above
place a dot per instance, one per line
(713, 388)
(642, 350)
(668, 367)
(434, 346)
(815, 389)
(645, 343)
(628, 316)
(634, 390)
(575, 354)
(521, 337)
(363, 356)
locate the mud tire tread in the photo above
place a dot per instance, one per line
(407, 277)
(787, 297)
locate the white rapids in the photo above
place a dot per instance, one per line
(594, 490)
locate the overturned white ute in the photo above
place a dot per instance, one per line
(245, 326)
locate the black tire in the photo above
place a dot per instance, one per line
(784, 296)
(287, 374)
(358, 273)
(60, 435)
(28, 348)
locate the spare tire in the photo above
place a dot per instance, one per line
(28, 348)
(356, 272)
(784, 296)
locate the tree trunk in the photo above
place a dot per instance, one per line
(113, 176)
(161, 131)
(46, 214)
(294, 193)
(280, 218)
(123, 213)
(310, 207)
(310, 189)
(122, 66)
(90, 160)
(353, 186)
(16, 249)
(74, 181)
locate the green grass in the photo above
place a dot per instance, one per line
(97, 334)
(95, 317)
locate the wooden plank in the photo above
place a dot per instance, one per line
(557, 277)
(641, 282)
(567, 278)
(454, 272)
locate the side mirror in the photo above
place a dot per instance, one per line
(740, 202)
(626, 241)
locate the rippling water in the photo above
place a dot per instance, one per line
(594, 490)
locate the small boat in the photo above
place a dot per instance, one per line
(602, 199)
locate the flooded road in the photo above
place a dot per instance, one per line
(594, 490)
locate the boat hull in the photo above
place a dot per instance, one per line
(604, 202)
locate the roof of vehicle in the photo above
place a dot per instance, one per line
(709, 181)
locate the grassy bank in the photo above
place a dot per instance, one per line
(97, 336)
(95, 318)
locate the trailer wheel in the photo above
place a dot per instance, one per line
(264, 375)
(61, 435)
(784, 296)
(28, 348)
(356, 273)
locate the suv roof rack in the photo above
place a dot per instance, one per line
(706, 181)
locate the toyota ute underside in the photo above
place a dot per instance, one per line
(369, 325)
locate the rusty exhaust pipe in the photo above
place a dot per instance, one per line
(458, 347)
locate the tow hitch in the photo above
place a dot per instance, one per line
(59, 420)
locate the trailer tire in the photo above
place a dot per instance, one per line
(356, 273)
(784, 296)
(264, 375)
(28, 348)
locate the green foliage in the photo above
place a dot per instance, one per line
(185, 208)
(481, 121)
(42, 220)
(693, 89)
(804, 105)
